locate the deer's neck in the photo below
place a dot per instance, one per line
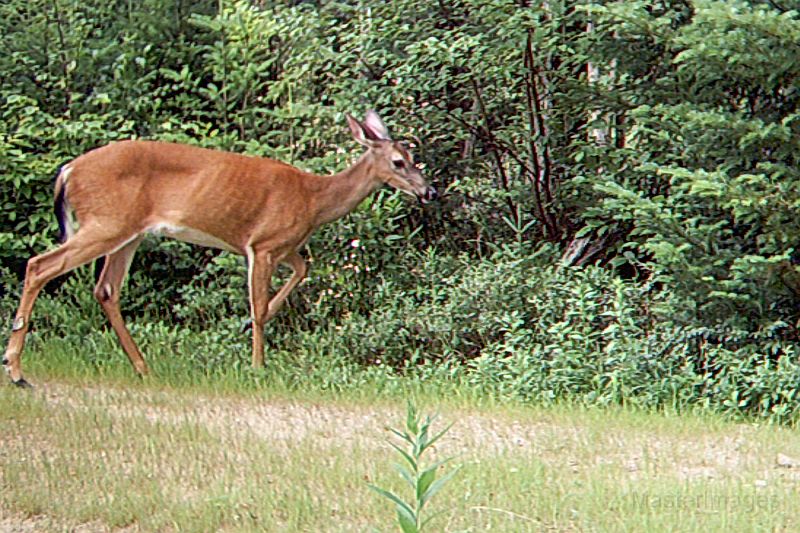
(342, 192)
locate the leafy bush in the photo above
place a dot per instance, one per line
(708, 188)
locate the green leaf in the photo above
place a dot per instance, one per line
(405, 456)
(437, 486)
(424, 482)
(412, 419)
(436, 438)
(405, 436)
(406, 475)
(396, 499)
(407, 521)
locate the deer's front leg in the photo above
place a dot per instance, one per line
(259, 273)
(299, 269)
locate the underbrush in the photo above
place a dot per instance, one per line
(512, 326)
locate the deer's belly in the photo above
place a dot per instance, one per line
(190, 235)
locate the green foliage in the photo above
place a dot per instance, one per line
(652, 143)
(421, 478)
(708, 189)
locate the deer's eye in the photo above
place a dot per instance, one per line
(398, 164)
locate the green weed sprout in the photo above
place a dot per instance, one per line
(422, 479)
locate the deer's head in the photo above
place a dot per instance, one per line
(394, 164)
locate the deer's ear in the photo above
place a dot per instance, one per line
(360, 133)
(376, 126)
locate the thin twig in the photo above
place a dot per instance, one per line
(495, 152)
(534, 116)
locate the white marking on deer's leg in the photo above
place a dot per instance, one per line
(251, 260)
(259, 273)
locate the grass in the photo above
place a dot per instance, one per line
(170, 355)
(234, 450)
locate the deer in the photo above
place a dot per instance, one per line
(108, 199)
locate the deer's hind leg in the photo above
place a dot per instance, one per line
(299, 270)
(107, 292)
(84, 247)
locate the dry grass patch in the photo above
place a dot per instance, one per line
(144, 458)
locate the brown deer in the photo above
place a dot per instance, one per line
(108, 199)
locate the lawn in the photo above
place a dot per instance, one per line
(104, 452)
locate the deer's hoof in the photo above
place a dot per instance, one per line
(22, 384)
